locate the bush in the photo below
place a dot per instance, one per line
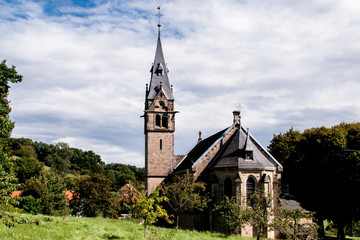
(31, 204)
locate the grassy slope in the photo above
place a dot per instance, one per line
(98, 228)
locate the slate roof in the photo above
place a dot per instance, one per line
(159, 73)
(290, 204)
(232, 154)
(197, 151)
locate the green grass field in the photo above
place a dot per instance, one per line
(98, 228)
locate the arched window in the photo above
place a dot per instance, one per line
(250, 189)
(228, 187)
(165, 121)
(158, 121)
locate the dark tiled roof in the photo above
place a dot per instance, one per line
(178, 158)
(159, 65)
(290, 204)
(197, 151)
(232, 154)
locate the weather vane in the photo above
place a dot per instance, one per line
(239, 107)
(159, 16)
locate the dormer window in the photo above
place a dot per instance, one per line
(249, 155)
(159, 70)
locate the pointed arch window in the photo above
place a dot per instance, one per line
(158, 120)
(250, 189)
(165, 121)
(228, 187)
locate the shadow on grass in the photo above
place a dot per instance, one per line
(112, 236)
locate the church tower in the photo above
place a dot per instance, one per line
(159, 125)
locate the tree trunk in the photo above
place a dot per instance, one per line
(177, 222)
(145, 229)
(340, 233)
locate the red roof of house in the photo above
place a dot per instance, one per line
(126, 193)
(16, 194)
(68, 195)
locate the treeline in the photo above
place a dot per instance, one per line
(30, 158)
(46, 171)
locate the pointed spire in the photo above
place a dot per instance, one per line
(159, 71)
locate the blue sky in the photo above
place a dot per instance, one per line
(85, 65)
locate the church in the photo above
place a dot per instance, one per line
(231, 161)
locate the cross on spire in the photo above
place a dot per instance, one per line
(159, 15)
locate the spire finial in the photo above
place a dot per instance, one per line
(200, 138)
(159, 17)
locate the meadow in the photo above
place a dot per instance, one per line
(98, 228)
(101, 228)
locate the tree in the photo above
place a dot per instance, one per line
(93, 197)
(332, 172)
(261, 212)
(86, 162)
(27, 167)
(8, 182)
(59, 157)
(47, 189)
(149, 208)
(284, 148)
(121, 174)
(295, 224)
(7, 75)
(185, 194)
(235, 214)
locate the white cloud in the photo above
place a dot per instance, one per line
(85, 69)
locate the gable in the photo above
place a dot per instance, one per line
(234, 154)
(223, 151)
(161, 103)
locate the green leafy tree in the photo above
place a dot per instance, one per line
(184, 194)
(295, 224)
(93, 197)
(8, 182)
(332, 170)
(86, 162)
(59, 158)
(149, 208)
(7, 75)
(261, 212)
(27, 167)
(235, 215)
(32, 205)
(48, 189)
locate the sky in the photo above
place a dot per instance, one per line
(85, 65)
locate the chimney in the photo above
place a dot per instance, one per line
(237, 116)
